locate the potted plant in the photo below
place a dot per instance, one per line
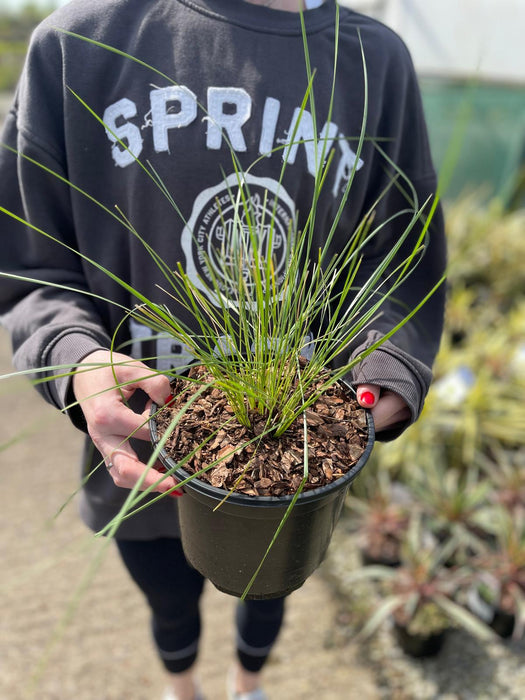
(456, 509)
(378, 513)
(256, 520)
(504, 469)
(278, 394)
(498, 591)
(422, 597)
(280, 409)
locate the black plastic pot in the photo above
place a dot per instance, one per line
(369, 559)
(503, 623)
(499, 620)
(419, 645)
(227, 545)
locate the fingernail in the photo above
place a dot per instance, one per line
(176, 493)
(367, 398)
(169, 400)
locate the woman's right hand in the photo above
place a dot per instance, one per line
(109, 420)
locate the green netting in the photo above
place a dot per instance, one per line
(492, 154)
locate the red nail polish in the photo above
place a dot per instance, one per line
(175, 494)
(169, 400)
(367, 398)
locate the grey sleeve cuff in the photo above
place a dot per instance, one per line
(68, 350)
(393, 369)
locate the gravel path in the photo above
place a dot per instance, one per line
(102, 650)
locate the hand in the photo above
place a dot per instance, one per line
(110, 422)
(388, 408)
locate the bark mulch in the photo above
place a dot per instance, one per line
(257, 464)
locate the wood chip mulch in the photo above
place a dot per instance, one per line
(269, 466)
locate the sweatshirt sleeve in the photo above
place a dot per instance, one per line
(52, 321)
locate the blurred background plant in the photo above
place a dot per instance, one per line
(378, 510)
(499, 583)
(464, 460)
(423, 597)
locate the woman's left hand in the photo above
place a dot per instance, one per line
(388, 408)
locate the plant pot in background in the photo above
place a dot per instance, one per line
(370, 559)
(419, 645)
(227, 545)
(499, 620)
(503, 623)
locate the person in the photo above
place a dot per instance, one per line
(238, 82)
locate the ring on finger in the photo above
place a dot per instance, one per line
(108, 460)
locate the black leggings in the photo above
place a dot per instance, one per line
(173, 589)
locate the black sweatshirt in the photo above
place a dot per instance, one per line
(226, 72)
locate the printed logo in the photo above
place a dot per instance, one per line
(233, 228)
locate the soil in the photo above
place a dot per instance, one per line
(73, 629)
(250, 460)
